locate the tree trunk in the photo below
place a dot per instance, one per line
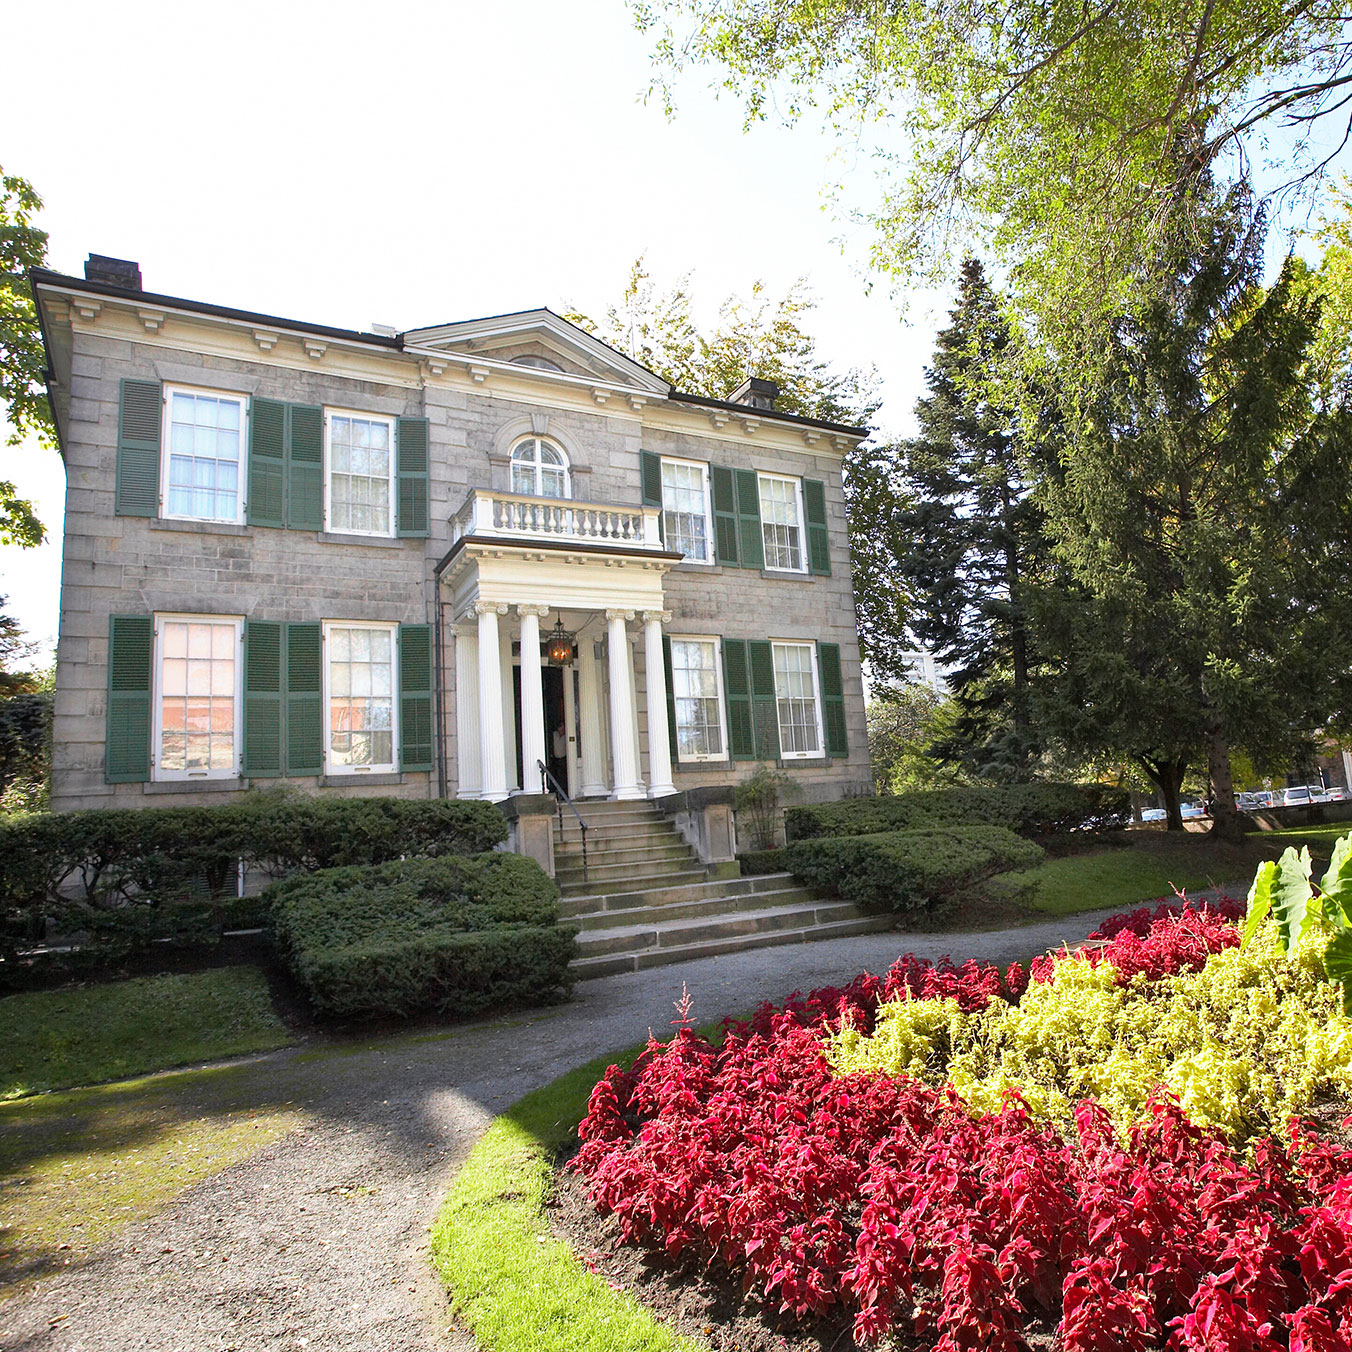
(1167, 777)
(1226, 823)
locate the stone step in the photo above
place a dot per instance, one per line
(584, 887)
(583, 904)
(611, 807)
(701, 908)
(650, 933)
(608, 964)
(607, 852)
(601, 875)
(621, 848)
(626, 825)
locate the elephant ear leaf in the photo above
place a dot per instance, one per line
(1336, 884)
(1338, 964)
(1292, 896)
(1260, 899)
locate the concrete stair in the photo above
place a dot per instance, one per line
(645, 899)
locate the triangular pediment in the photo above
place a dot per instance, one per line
(541, 340)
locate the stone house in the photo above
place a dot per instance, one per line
(432, 563)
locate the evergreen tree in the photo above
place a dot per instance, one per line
(1203, 505)
(966, 536)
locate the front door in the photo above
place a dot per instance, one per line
(559, 735)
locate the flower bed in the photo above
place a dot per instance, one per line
(881, 1191)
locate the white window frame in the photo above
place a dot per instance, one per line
(366, 416)
(820, 752)
(708, 506)
(802, 520)
(157, 773)
(384, 768)
(567, 467)
(166, 441)
(722, 703)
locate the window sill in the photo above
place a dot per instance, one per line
(385, 780)
(787, 574)
(373, 541)
(232, 785)
(694, 566)
(200, 527)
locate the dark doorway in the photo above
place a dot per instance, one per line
(556, 748)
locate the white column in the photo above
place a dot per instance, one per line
(508, 707)
(532, 701)
(623, 746)
(468, 755)
(493, 757)
(655, 669)
(592, 717)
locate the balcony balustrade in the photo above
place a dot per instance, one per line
(516, 516)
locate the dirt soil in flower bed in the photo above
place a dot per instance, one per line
(705, 1302)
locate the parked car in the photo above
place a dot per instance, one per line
(1337, 795)
(1192, 811)
(1247, 802)
(1153, 814)
(1298, 795)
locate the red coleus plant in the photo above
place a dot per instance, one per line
(893, 1201)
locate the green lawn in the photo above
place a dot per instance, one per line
(517, 1287)
(113, 1030)
(1155, 863)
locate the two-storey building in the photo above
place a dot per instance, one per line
(429, 562)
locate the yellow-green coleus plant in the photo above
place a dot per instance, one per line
(1283, 889)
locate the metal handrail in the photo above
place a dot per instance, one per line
(560, 798)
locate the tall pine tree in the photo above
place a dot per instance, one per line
(1202, 502)
(967, 536)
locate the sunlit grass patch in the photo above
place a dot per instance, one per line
(76, 1167)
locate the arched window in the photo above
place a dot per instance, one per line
(539, 468)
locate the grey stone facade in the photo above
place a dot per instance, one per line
(122, 564)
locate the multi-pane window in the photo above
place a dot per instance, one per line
(202, 475)
(361, 473)
(360, 697)
(696, 689)
(685, 508)
(800, 731)
(197, 697)
(539, 469)
(781, 509)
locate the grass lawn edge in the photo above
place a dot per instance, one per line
(517, 1287)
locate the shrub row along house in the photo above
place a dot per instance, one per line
(425, 563)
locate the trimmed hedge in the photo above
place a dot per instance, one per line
(901, 871)
(106, 857)
(755, 862)
(441, 936)
(1029, 810)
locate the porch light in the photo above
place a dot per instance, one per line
(560, 649)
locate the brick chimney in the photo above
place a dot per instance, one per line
(756, 393)
(121, 272)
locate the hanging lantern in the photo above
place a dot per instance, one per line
(560, 646)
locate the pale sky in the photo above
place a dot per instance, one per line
(410, 164)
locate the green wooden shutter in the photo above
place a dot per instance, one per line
(267, 463)
(138, 449)
(650, 476)
(671, 698)
(412, 511)
(262, 699)
(764, 705)
(737, 693)
(750, 546)
(833, 699)
(725, 516)
(126, 754)
(304, 720)
(304, 467)
(818, 540)
(416, 751)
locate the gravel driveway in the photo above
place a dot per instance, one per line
(319, 1241)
